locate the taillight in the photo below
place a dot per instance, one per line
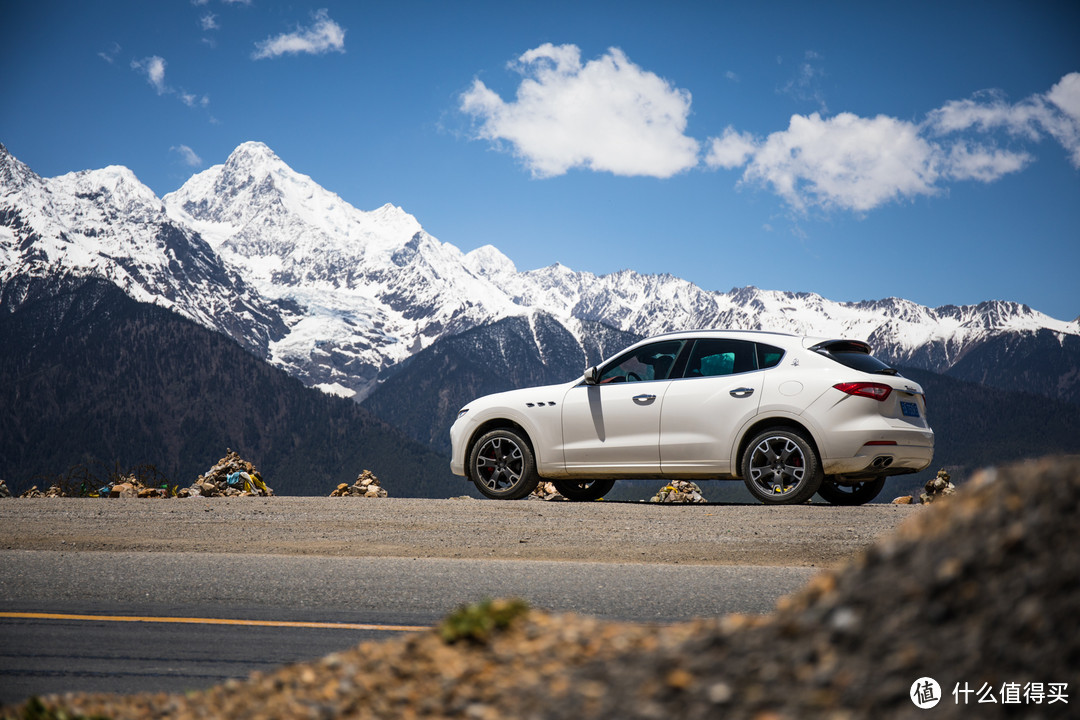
(877, 391)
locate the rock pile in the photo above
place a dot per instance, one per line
(232, 476)
(546, 491)
(937, 488)
(4, 491)
(33, 492)
(131, 486)
(366, 485)
(679, 491)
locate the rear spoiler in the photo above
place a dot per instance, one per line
(851, 346)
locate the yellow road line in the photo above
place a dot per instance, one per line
(213, 621)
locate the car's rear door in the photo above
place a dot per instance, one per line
(720, 391)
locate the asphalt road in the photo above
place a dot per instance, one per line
(385, 565)
(44, 655)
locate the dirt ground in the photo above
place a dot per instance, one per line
(805, 535)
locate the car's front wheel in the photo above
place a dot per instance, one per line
(855, 493)
(501, 465)
(583, 489)
(781, 467)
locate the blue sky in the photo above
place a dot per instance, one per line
(857, 150)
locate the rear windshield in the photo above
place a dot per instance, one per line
(855, 358)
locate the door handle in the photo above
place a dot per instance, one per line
(643, 399)
(743, 392)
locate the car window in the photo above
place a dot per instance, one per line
(651, 362)
(711, 357)
(768, 356)
(855, 355)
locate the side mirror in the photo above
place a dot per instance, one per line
(592, 375)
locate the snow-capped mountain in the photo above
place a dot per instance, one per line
(105, 223)
(367, 289)
(340, 297)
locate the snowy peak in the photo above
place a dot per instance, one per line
(340, 296)
(14, 175)
(107, 224)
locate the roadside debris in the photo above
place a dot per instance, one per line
(365, 485)
(679, 491)
(232, 476)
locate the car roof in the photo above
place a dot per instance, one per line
(720, 332)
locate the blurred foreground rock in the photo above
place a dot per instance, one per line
(232, 476)
(366, 485)
(979, 593)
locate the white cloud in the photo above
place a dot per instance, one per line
(730, 150)
(1065, 127)
(982, 163)
(855, 163)
(154, 69)
(192, 100)
(608, 115)
(806, 85)
(109, 55)
(323, 36)
(187, 155)
(209, 22)
(845, 162)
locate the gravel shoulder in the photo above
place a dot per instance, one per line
(799, 536)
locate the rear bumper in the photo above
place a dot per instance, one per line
(872, 460)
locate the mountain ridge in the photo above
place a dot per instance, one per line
(339, 297)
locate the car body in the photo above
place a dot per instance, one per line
(789, 415)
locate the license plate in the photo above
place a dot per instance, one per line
(909, 409)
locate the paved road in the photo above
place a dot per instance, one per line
(55, 655)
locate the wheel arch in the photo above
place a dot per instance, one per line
(771, 423)
(499, 423)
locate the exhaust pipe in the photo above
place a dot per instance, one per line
(881, 462)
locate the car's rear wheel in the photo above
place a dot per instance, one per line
(583, 489)
(501, 465)
(852, 493)
(781, 467)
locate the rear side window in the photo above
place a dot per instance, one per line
(856, 357)
(712, 357)
(768, 356)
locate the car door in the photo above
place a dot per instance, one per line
(719, 391)
(612, 428)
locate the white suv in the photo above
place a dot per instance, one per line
(790, 416)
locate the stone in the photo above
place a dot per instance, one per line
(903, 500)
(123, 489)
(679, 491)
(938, 487)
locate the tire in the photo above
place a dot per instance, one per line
(857, 493)
(502, 467)
(780, 467)
(583, 490)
